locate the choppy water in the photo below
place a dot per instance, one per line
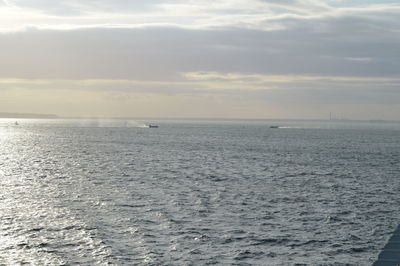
(196, 193)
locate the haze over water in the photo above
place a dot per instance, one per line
(210, 192)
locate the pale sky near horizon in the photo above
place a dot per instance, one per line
(220, 58)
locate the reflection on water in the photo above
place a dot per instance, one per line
(111, 192)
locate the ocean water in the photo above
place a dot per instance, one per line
(197, 192)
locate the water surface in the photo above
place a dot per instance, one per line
(210, 192)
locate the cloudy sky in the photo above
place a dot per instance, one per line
(219, 58)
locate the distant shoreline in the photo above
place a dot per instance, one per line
(53, 116)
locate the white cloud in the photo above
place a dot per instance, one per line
(255, 14)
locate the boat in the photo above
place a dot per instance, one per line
(274, 127)
(153, 126)
(16, 123)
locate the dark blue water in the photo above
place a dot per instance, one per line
(197, 193)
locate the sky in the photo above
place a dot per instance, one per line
(300, 59)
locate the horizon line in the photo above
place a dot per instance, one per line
(11, 115)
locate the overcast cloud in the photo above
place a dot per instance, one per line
(272, 58)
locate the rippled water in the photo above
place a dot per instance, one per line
(84, 192)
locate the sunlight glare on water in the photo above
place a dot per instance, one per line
(113, 192)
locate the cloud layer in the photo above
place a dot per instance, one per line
(207, 14)
(265, 58)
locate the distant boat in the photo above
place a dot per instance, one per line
(274, 127)
(16, 123)
(153, 126)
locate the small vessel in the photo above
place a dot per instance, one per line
(153, 126)
(16, 123)
(274, 127)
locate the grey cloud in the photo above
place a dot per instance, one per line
(335, 95)
(160, 53)
(318, 46)
(299, 6)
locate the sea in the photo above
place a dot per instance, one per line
(197, 192)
